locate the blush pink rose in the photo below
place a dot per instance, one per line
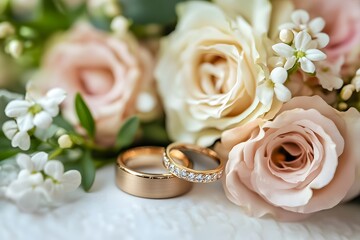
(342, 24)
(303, 161)
(107, 71)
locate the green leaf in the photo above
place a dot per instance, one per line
(87, 170)
(146, 12)
(84, 115)
(155, 132)
(127, 133)
(8, 153)
(61, 122)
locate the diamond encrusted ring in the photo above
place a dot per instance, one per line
(187, 173)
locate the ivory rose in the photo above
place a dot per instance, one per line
(108, 72)
(208, 73)
(301, 162)
(342, 25)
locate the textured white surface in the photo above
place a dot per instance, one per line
(205, 212)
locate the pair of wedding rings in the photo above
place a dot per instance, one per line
(177, 158)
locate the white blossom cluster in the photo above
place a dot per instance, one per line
(40, 181)
(33, 115)
(299, 50)
(34, 180)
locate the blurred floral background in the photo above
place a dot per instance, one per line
(81, 81)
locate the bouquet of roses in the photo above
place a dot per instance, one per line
(272, 85)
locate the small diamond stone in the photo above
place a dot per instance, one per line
(183, 173)
(177, 171)
(171, 168)
(167, 164)
(191, 176)
(214, 177)
(208, 178)
(199, 178)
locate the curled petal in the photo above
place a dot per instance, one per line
(265, 93)
(302, 40)
(25, 123)
(71, 180)
(49, 106)
(39, 159)
(283, 50)
(282, 93)
(55, 169)
(279, 75)
(323, 40)
(10, 128)
(317, 25)
(42, 120)
(57, 95)
(290, 62)
(306, 65)
(24, 162)
(21, 140)
(300, 17)
(17, 108)
(315, 55)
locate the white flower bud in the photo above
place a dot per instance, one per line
(111, 9)
(286, 36)
(60, 132)
(119, 25)
(65, 141)
(6, 29)
(15, 48)
(145, 102)
(342, 106)
(356, 82)
(357, 72)
(347, 91)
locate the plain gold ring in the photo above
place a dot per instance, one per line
(150, 185)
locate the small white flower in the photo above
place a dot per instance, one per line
(329, 75)
(274, 85)
(18, 138)
(28, 191)
(31, 113)
(301, 22)
(302, 52)
(40, 182)
(61, 182)
(34, 163)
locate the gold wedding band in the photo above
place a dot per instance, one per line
(187, 173)
(149, 185)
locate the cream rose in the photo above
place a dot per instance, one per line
(107, 71)
(301, 162)
(208, 74)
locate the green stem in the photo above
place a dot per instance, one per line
(55, 153)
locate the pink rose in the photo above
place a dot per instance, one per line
(342, 24)
(303, 161)
(109, 73)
